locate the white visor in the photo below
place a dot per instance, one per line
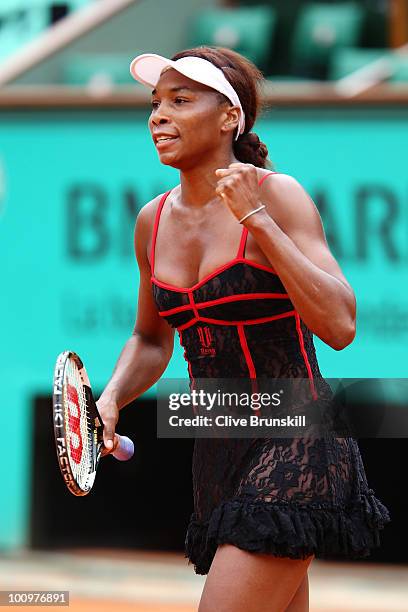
(147, 68)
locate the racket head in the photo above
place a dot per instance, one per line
(78, 427)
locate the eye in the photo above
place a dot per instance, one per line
(180, 100)
(155, 104)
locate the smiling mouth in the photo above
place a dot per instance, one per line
(163, 143)
(169, 138)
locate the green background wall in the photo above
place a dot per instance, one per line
(70, 187)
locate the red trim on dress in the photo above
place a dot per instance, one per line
(188, 324)
(224, 300)
(255, 264)
(229, 264)
(248, 359)
(192, 304)
(305, 357)
(250, 321)
(241, 248)
(290, 313)
(243, 296)
(246, 351)
(266, 176)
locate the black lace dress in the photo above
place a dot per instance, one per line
(287, 497)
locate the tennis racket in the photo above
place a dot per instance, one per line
(78, 426)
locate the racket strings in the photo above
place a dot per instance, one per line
(79, 426)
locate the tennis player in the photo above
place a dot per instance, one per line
(235, 258)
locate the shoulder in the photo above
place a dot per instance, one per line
(147, 213)
(279, 184)
(144, 224)
(286, 199)
(278, 181)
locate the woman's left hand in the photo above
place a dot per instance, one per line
(238, 187)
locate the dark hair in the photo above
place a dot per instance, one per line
(245, 78)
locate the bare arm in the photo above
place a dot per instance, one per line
(289, 231)
(291, 235)
(147, 352)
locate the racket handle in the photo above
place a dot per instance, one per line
(124, 449)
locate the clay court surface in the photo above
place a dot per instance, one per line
(111, 606)
(116, 581)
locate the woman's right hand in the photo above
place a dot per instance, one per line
(109, 411)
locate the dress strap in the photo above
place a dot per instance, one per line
(244, 235)
(155, 228)
(242, 243)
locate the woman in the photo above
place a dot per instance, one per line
(235, 259)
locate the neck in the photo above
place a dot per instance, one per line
(199, 182)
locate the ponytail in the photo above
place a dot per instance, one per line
(248, 149)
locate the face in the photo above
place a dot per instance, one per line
(191, 118)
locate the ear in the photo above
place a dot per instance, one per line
(230, 119)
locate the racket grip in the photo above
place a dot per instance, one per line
(124, 449)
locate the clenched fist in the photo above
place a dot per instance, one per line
(238, 187)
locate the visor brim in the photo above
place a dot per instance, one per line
(147, 68)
